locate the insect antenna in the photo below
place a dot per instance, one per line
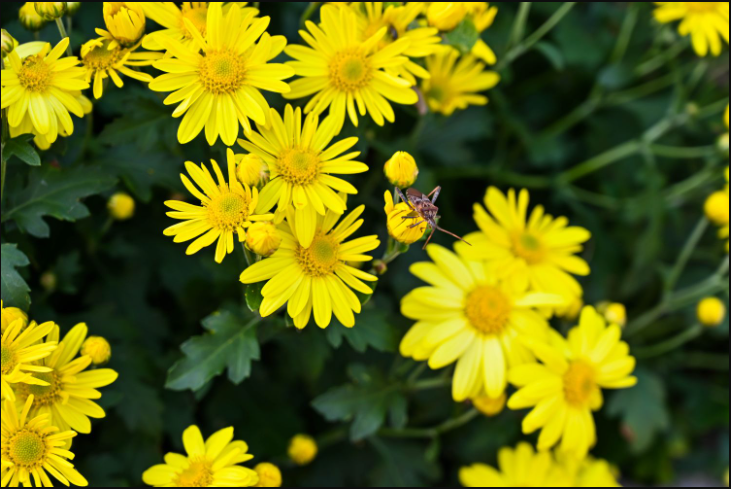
(452, 234)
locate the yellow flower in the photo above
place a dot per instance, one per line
(220, 88)
(571, 309)
(446, 16)
(11, 314)
(705, 22)
(489, 406)
(22, 348)
(302, 450)
(716, 208)
(125, 23)
(98, 349)
(40, 88)
(72, 7)
(469, 317)
(455, 83)
(50, 10)
(269, 475)
(724, 138)
(301, 166)
(711, 312)
(8, 43)
(400, 228)
(32, 447)
(67, 398)
(29, 18)
(567, 386)
(211, 463)
(251, 170)
(316, 277)
(103, 58)
(121, 206)
(591, 473)
(263, 238)
(401, 170)
(614, 313)
(535, 251)
(227, 209)
(347, 70)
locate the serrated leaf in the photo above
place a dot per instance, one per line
(21, 148)
(230, 343)
(54, 192)
(15, 292)
(254, 297)
(372, 329)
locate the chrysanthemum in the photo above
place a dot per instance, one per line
(125, 22)
(567, 386)
(22, 348)
(467, 316)
(301, 166)
(70, 390)
(347, 70)
(40, 88)
(536, 251)
(210, 463)
(227, 209)
(455, 82)
(316, 277)
(447, 16)
(219, 89)
(399, 227)
(705, 22)
(32, 447)
(103, 60)
(591, 472)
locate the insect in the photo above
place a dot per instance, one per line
(426, 211)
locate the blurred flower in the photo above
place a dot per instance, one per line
(469, 317)
(589, 472)
(219, 89)
(104, 59)
(125, 23)
(211, 463)
(32, 446)
(22, 347)
(121, 206)
(263, 238)
(347, 70)
(72, 7)
(447, 16)
(302, 450)
(705, 22)
(724, 138)
(566, 387)
(50, 10)
(711, 312)
(98, 349)
(8, 43)
(8, 315)
(227, 209)
(489, 406)
(613, 312)
(251, 170)
(315, 278)
(401, 170)
(49, 281)
(400, 228)
(269, 475)
(716, 208)
(29, 18)
(571, 310)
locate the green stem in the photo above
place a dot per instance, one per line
(659, 61)
(429, 384)
(430, 433)
(62, 31)
(598, 162)
(311, 9)
(674, 152)
(625, 34)
(685, 254)
(670, 345)
(518, 31)
(247, 255)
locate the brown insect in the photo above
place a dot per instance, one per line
(426, 211)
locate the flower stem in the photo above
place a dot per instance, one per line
(672, 344)
(518, 31)
(685, 254)
(64, 35)
(308, 13)
(4, 141)
(625, 35)
(435, 432)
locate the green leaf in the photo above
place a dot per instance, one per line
(22, 149)
(145, 123)
(141, 174)
(56, 193)
(552, 54)
(15, 292)
(230, 343)
(372, 329)
(403, 464)
(464, 36)
(254, 297)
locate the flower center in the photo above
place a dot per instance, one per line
(578, 383)
(222, 71)
(197, 13)
(198, 474)
(702, 6)
(529, 248)
(320, 258)
(488, 310)
(298, 167)
(43, 395)
(9, 361)
(26, 449)
(229, 211)
(35, 75)
(350, 70)
(102, 58)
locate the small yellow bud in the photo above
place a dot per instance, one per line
(490, 407)
(8, 43)
(401, 170)
(98, 349)
(711, 312)
(51, 10)
(251, 170)
(11, 314)
(614, 313)
(399, 228)
(29, 18)
(49, 281)
(72, 7)
(263, 238)
(121, 206)
(716, 208)
(125, 21)
(269, 475)
(445, 16)
(302, 450)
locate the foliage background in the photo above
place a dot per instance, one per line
(138, 289)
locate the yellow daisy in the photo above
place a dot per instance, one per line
(456, 82)
(32, 447)
(301, 166)
(705, 22)
(21, 348)
(227, 208)
(591, 473)
(316, 277)
(535, 251)
(40, 88)
(69, 394)
(8, 315)
(467, 316)
(220, 88)
(723, 233)
(446, 16)
(567, 386)
(399, 227)
(345, 69)
(125, 22)
(211, 463)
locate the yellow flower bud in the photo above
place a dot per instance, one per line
(72, 7)
(121, 206)
(51, 10)
(8, 43)
(401, 170)
(399, 228)
(445, 16)
(711, 312)
(11, 314)
(263, 238)
(490, 407)
(29, 18)
(302, 450)
(49, 281)
(269, 475)
(125, 21)
(614, 313)
(98, 349)
(716, 208)
(251, 170)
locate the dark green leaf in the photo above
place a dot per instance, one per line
(404, 464)
(552, 54)
(464, 36)
(372, 329)
(22, 149)
(15, 292)
(254, 297)
(140, 174)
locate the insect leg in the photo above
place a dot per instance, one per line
(405, 199)
(411, 217)
(435, 193)
(417, 224)
(434, 228)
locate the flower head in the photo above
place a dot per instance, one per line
(104, 58)
(401, 170)
(211, 463)
(50, 10)
(22, 348)
(29, 18)
(121, 206)
(711, 312)
(263, 238)
(9, 315)
(400, 227)
(614, 313)
(98, 349)
(125, 22)
(302, 450)
(269, 475)
(447, 16)
(227, 208)
(705, 22)
(8, 43)
(251, 170)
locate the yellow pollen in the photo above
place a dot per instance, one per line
(222, 71)
(298, 167)
(101, 58)
(488, 310)
(198, 474)
(350, 70)
(35, 75)
(27, 449)
(229, 210)
(321, 258)
(9, 360)
(529, 248)
(702, 6)
(44, 395)
(197, 13)
(579, 383)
